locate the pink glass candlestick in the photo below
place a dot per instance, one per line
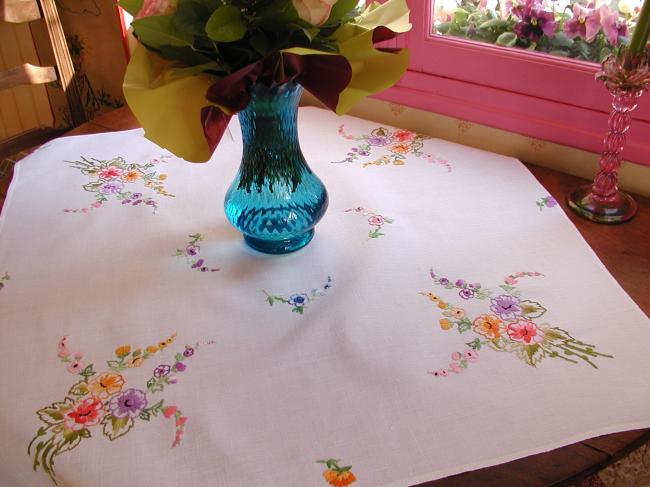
(626, 78)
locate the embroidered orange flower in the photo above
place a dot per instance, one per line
(162, 177)
(106, 385)
(131, 176)
(123, 351)
(458, 312)
(398, 162)
(337, 476)
(488, 326)
(442, 305)
(445, 324)
(432, 297)
(134, 362)
(165, 343)
(400, 148)
(151, 349)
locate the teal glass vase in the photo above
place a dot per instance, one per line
(275, 199)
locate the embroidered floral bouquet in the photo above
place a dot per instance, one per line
(197, 60)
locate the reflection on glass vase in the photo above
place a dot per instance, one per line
(275, 199)
(626, 77)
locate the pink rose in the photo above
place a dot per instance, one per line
(156, 7)
(454, 367)
(316, 12)
(455, 356)
(376, 220)
(76, 367)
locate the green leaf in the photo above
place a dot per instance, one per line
(260, 43)
(341, 9)
(79, 389)
(84, 433)
(460, 15)
(145, 416)
(560, 39)
(492, 24)
(116, 427)
(158, 31)
(508, 39)
(70, 440)
(225, 24)
(190, 17)
(53, 414)
(532, 309)
(131, 6)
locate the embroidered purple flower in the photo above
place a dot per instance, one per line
(550, 202)
(460, 283)
(534, 21)
(188, 352)
(444, 281)
(112, 187)
(364, 153)
(161, 371)
(298, 300)
(129, 403)
(192, 249)
(585, 23)
(506, 306)
(613, 26)
(136, 196)
(378, 140)
(180, 367)
(466, 293)
(198, 264)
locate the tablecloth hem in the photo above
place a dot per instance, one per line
(464, 468)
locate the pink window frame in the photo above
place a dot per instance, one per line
(537, 95)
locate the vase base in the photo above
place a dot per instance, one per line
(279, 246)
(617, 209)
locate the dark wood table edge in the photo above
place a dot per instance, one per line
(608, 448)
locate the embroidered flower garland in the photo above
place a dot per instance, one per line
(299, 302)
(508, 325)
(336, 475)
(191, 254)
(111, 179)
(101, 399)
(375, 220)
(398, 143)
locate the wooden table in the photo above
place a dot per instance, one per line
(625, 251)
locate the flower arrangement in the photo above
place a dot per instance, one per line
(578, 29)
(198, 59)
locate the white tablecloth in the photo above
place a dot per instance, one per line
(446, 316)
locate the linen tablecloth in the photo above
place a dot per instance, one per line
(447, 316)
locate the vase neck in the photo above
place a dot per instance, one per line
(271, 116)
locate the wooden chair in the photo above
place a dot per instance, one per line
(22, 11)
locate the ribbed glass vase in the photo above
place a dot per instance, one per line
(275, 199)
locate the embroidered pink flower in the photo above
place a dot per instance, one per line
(316, 12)
(524, 331)
(110, 172)
(470, 355)
(75, 367)
(454, 367)
(585, 23)
(62, 347)
(169, 411)
(157, 7)
(86, 412)
(376, 220)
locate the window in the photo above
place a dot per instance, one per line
(535, 94)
